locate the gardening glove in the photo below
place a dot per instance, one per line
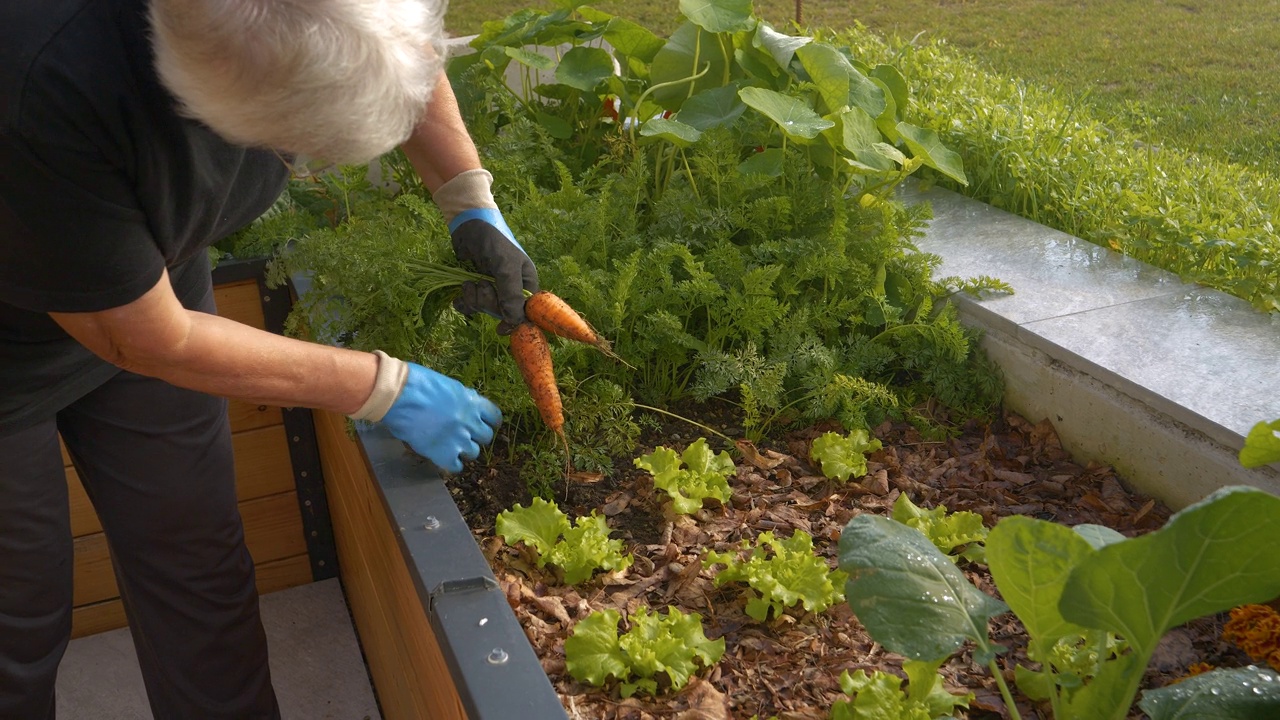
(439, 417)
(482, 239)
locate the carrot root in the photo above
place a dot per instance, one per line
(551, 313)
(533, 358)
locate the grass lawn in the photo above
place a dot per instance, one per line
(1196, 74)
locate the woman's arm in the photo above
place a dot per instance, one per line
(440, 147)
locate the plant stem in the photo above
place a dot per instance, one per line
(645, 95)
(1004, 690)
(681, 417)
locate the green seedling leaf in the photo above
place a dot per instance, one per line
(796, 119)
(1030, 561)
(838, 81)
(584, 68)
(1209, 557)
(592, 653)
(767, 163)
(879, 696)
(925, 145)
(946, 531)
(1238, 694)
(673, 131)
(719, 16)
(1262, 446)
(781, 47)
(586, 548)
(535, 60)
(703, 477)
(908, 595)
(675, 62)
(718, 107)
(1098, 536)
(539, 526)
(925, 688)
(787, 573)
(844, 456)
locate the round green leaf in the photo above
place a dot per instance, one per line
(781, 47)
(924, 144)
(796, 119)
(717, 107)
(1235, 694)
(894, 83)
(584, 68)
(672, 131)
(767, 163)
(675, 62)
(538, 61)
(632, 40)
(719, 16)
(838, 81)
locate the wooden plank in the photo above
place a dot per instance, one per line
(66, 457)
(404, 658)
(263, 465)
(263, 468)
(240, 302)
(250, 416)
(109, 614)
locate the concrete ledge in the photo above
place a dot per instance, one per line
(1159, 378)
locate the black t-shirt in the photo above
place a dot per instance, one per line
(102, 186)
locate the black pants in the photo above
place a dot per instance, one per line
(156, 462)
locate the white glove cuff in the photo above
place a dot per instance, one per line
(392, 375)
(467, 190)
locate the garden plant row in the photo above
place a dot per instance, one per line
(720, 205)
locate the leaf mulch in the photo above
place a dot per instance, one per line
(789, 667)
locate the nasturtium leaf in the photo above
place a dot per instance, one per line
(844, 456)
(908, 595)
(719, 16)
(671, 130)
(592, 652)
(924, 144)
(1209, 557)
(888, 152)
(538, 526)
(1262, 445)
(584, 68)
(675, 62)
(717, 107)
(858, 130)
(556, 127)
(887, 121)
(1098, 536)
(759, 66)
(1030, 560)
(796, 119)
(1236, 694)
(767, 162)
(893, 81)
(633, 40)
(839, 82)
(535, 60)
(782, 47)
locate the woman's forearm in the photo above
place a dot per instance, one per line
(440, 146)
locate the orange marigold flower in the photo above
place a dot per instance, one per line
(1256, 630)
(1195, 669)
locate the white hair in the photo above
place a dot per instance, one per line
(341, 80)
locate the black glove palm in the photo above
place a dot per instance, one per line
(482, 240)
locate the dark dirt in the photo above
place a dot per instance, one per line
(789, 667)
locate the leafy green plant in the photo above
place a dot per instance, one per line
(1262, 446)
(1236, 694)
(947, 531)
(880, 695)
(667, 644)
(1068, 584)
(579, 548)
(690, 477)
(782, 573)
(844, 456)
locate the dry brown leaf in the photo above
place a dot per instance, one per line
(705, 702)
(585, 476)
(753, 456)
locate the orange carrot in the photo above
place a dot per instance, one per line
(551, 313)
(533, 358)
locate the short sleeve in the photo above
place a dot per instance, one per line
(69, 242)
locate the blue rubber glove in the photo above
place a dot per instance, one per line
(442, 419)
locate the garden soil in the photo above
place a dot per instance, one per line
(789, 667)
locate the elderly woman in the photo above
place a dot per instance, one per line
(132, 136)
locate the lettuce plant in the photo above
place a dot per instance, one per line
(691, 477)
(790, 574)
(844, 456)
(579, 549)
(945, 530)
(880, 695)
(1262, 446)
(1072, 584)
(656, 643)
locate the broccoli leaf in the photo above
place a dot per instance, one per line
(945, 530)
(844, 457)
(689, 478)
